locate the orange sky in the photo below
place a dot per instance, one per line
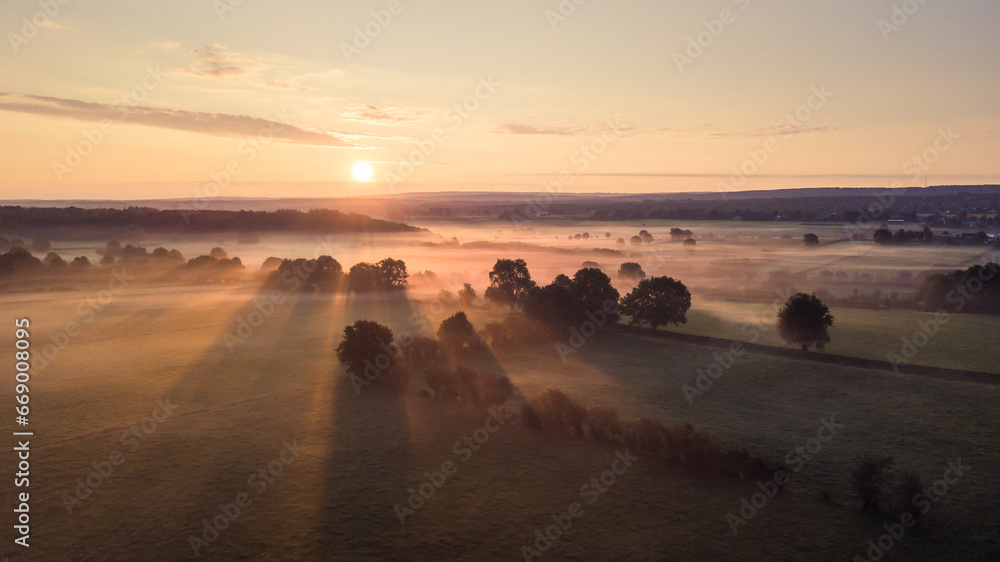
(139, 100)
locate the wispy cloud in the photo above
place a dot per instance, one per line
(562, 130)
(215, 61)
(285, 85)
(216, 124)
(380, 115)
(588, 130)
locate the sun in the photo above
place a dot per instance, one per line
(363, 171)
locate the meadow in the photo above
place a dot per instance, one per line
(193, 417)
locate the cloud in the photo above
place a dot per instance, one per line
(564, 130)
(380, 115)
(585, 130)
(283, 85)
(215, 61)
(216, 124)
(746, 133)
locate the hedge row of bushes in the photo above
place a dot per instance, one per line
(677, 445)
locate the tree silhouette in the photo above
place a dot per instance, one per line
(369, 351)
(882, 236)
(592, 288)
(510, 282)
(810, 239)
(657, 301)
(457, 333)
(803, 321)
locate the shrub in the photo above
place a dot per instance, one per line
(910, 485)
(467, 387)
(603, 424)
(421, 352)
(871, 478)
(553, 410)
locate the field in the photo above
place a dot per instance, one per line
(191, 390)
(354, 456)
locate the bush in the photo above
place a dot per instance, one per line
(467, 387)
(871, 478)
(516, 329)
(421, 352)
(910, 485)
(553, 410)
(603, 424)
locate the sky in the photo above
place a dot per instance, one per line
(138, 99)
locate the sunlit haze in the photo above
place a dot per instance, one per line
(517, 90)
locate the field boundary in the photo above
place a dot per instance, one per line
(943, 373)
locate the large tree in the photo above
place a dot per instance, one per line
(392, 274)
(554, 307)
(510, 282)
(803, 321)
(657, 301)
(370, 354)
(593, 288)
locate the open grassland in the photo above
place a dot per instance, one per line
(358, 454)
(965, 341)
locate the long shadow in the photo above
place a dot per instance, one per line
(237, 405)
(369, 464)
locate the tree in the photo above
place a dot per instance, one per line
(510, 282)
(457, 333)
(592, 288)
(54, 260)
(563, 281)
(677, 234)
(803, 321)
(882, 236)
(636, 240)
(928, 236)
(369, 352)
(81, 262)
(657, 301)
(218, 253)
(392, 274)
(631, 270)
(326, 276)
(810, 239)
(690, 244)
(363, 277)
(41, 245)
(555, 307)
(467, 295)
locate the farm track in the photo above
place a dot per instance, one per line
(960, 375)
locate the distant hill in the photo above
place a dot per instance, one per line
(149, 219)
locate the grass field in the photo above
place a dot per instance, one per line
(966, 341)
(357, 455)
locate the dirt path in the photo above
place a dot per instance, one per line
(789, 353)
